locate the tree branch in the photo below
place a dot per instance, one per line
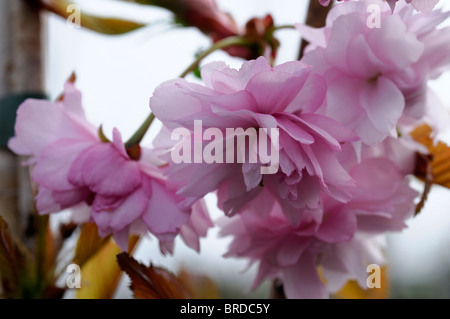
(315, 18)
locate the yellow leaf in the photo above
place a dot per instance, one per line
(88, 244)
(100, 272)
(100, 275)
(105, 25)
(440, 155)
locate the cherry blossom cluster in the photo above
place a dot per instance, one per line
(342, 114)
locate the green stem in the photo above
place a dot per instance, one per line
(41, 243)
(227, 42)
(137, 137)
(282, 27)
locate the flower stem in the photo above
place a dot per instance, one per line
(282, 27)
(227, 42)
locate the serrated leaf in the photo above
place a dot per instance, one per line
(352, 290)
(12, 262)
(440, 156)
(198, 286)
(151, 282)
(105, 25)
(100, 273)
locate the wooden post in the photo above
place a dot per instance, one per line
(20, 73)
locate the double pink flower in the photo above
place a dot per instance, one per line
(424, 6)
(342, 240)
(259, 96)
(73, 167)
(377, 76)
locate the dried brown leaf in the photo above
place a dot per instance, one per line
(151, 282)
(199, 286)
(12, 261)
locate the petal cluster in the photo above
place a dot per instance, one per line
(73, 167)
(342, 242)
(424, 6)
(377, 76)
(285, 98)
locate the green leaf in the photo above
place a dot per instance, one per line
(197, 73)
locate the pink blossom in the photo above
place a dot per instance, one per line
(342, 241)
(424, 6)
(257, 95)
(72, 166)
(56, 133)
(325, 3)
(377, 76)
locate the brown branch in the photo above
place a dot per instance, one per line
(277, 290)
(315, 18)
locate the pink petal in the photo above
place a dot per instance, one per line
(128, 210)
(310, 97)
(121, 239)
(290, 124)
(163, 216)
(362, 61)
(338, 226)
(290, 250)
(172, 100)
(40, 123)
(393, 45)
(273, 91)
(52, 168)
(302, 280)
(384, 104)
(345, 29)
(105, 171)
(45, 203)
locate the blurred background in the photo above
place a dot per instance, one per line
(117, 75)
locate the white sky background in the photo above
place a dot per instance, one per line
(117, 75)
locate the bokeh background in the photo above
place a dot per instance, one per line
(117, 75)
